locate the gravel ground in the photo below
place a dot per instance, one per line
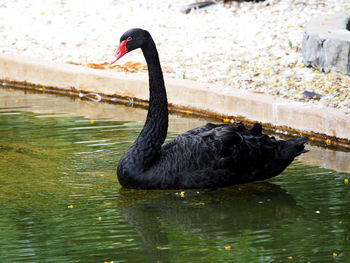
(250, 46)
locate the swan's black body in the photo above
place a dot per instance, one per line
(211, 156)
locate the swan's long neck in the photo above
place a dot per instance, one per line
(153, 134)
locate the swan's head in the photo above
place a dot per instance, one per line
(130, 40)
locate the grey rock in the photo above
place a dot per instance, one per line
(326, 43)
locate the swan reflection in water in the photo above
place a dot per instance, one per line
(210, 215)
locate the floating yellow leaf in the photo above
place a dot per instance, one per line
(335, 254)
(99, 218)
(346, 181)
(228, 248)
(92, 122)
(290, 257)
(188, 112)
(328, 142)
(70, 206)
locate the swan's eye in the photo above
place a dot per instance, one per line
(129, 39)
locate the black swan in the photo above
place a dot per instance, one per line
(211, 156)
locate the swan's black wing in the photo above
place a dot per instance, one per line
(221, 155)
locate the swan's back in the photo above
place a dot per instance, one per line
(218, 155)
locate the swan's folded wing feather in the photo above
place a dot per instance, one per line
(198, 149)
(221, 155)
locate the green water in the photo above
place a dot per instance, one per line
(61, 201)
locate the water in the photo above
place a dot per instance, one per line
(61, 201)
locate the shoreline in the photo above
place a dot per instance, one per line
(253, 47)
(227, 104)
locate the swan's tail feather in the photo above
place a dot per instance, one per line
(256, 130)
(298, 145)
(276, 155)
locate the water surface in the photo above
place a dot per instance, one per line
(61, 201)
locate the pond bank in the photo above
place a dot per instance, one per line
(45, 105)
(327, 125)
(248, 46)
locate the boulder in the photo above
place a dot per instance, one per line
(326, 43)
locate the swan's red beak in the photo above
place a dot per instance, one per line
(121, 51)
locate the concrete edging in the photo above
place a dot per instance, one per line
(214, 100)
